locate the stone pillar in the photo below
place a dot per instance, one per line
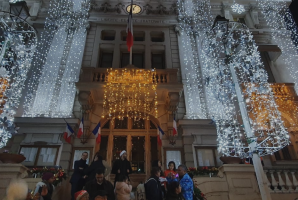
(9, 172)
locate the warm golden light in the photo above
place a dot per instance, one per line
(130, 92)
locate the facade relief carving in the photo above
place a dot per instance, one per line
(106, 7)
(161, 10)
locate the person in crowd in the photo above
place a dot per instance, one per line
(100, 183)
(91, 170)
(186, 182)
(152, 185)
(123, 188)
(121, 167)
(174, 191)
(170, 173)
(46, 188)
(82, 195)
(16, 190)
(78, 179)
(157, 163)
(101, 195)
(32, 197)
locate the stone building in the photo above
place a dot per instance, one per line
(76, 88)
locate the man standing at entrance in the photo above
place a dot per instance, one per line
(121, 167)
(78, 179)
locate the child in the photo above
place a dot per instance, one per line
(123, 188)
(81, 195)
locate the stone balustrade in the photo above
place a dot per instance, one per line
(282, 181)
(99, 75)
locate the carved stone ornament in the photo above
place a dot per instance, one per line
(172, 101)
(106, 7)
(161, 10)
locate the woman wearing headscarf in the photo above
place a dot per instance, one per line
(91, 170)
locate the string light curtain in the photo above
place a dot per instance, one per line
(237, 85)
(130, 92)
(18, 41)
(284, 33)
(57, 63)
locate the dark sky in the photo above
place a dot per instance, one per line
(294, 10)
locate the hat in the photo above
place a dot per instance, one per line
(46, 176)
(79, 194)
(122, 152)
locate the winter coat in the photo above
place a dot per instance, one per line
(186, 187)
(171, 196)
(122, 191)
(38, 189)
(91, 170)
(153, 189)
(91, 188)
(78, 173)
(123, 166)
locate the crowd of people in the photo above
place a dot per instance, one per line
(88, 182)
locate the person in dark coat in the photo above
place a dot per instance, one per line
(78, 179)
(121, 167)
(99, 183)
(152, 186)
(91, 170)
(174, 191)
(157, 163)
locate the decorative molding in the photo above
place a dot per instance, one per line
(106, 7)
(161, 10)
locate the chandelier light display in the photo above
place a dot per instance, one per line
(284, 33)
(18, 41)
(57, 63)
(130, 92)
(235, 81)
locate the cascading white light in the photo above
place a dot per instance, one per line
(284, 33)
(237, 8)
(234, 73)
(18, 41)
(51, 88)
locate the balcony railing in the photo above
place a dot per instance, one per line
(282, 181)
(99, 75)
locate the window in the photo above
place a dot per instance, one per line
(137, 60)
(137, 36)
(119, 145)
(207, 156)
(173, 155)
(108, 35)
(77, 154)
(152, 125)
(157, 36)
(287, 153)
(40, 155)
(266, 60)
(106, 60)
(103, 147)
(106, 125)
(158, 61)
(138, 124)
(121, 123)
(138, 154)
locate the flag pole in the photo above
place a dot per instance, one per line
(130, 56)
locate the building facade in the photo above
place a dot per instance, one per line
(168, 36)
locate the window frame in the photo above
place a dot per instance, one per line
(165, 149)
(38, 152)
(213, 148)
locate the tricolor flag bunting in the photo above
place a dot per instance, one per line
(67, 133)
(174, 127)
(160, 133)
(129, 29)
(81, 128)
(97, 132)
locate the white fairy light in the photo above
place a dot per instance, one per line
(57, 64)
(17, 48)
(284, 33)
(237, 8)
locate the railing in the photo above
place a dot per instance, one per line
(100, 75)
(282, 181)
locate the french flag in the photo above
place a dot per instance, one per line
(160, 133)
(67, 133)
(97, 132)
(81, 128)
(129, 30)
(174, 127)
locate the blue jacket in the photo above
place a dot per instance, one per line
(186, 187)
